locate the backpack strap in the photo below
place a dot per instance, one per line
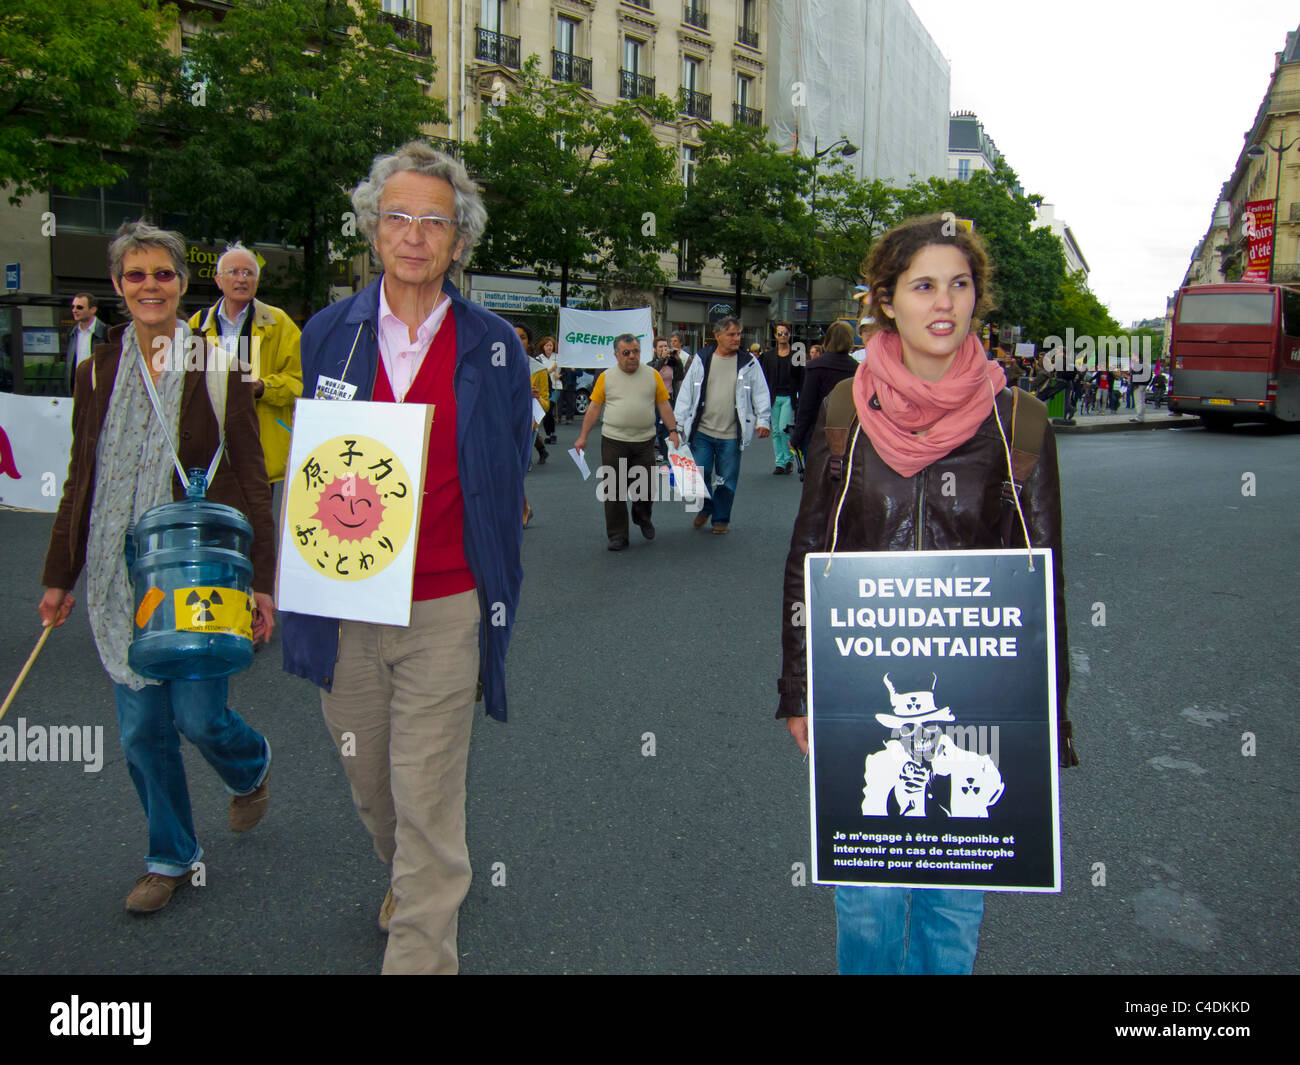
(1028, 428)
(841, 419)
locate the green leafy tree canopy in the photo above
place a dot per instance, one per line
(73, 82)
(574, 188)
(748, 205)
(276, 114)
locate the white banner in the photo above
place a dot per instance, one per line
(352, 509)
(587, 337)
(35, 444)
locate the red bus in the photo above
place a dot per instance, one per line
(1235, 353)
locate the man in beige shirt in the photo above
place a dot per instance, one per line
(629, 398)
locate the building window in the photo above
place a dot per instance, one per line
(566, 35)
(686, 269)
(688, 165)
(693, 14)
(404, 8)
(744, 113)
(632, 83)
(695, 103)
(747, 32)
(632, 49)
(963, 169)
(566, 65)
(491, 15)
(102, 208)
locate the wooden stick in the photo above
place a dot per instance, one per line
(23, 675)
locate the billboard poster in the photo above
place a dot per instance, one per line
(1257, 225)
(932, 719)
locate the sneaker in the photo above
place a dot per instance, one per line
(617, 544)
(247, 810)
(551, 439)
(386, 911)
(153, 891)
(700, 519)
(779, 471)
(647, 530)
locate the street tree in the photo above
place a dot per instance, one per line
(748, 204)
(275, 114)
(1029, 263)
(74, 78)
(851, 212)
(573, 188)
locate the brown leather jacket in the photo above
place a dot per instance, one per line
(240, 480)
(884, 511)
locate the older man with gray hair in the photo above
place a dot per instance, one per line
(265, 340)
(398, 701)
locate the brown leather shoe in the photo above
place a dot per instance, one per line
(700, 519)
(720, 530)
(247, 810)
(386, 911)
(153, 891)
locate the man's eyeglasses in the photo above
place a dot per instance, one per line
(136, 277)
(244, 273)
(400, 221)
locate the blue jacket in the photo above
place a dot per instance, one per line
(494, 436)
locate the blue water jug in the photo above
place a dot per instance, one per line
(193, 583)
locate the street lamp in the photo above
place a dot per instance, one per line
(846, 148)
(1256, 151)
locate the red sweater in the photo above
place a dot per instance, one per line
(440, 566)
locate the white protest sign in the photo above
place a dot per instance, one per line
(587, 337)
(35, 442)
(352, 509)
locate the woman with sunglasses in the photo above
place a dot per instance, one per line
(931, 412)
(136, 409)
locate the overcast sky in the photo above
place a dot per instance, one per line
(1127, 115)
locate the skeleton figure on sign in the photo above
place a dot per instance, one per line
(921, 763)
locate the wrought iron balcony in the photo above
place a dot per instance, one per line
(418, 36)
(695, 16)
(1287, 272)
(568, 67)
(493, 47)
(746, 116)
(632, 86)
(446, 145)
(697, 104)
(747, 36)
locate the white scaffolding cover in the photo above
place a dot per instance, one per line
(869, 71)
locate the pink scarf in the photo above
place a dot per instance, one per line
(947, 411)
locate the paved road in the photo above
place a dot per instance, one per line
(614, 861)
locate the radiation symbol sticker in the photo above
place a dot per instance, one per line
(351, 508)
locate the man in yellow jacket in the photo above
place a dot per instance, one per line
(265, 339)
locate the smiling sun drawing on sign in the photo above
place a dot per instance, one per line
(351, 508)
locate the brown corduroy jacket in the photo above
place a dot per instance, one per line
(240, 480)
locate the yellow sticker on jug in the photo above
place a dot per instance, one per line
(214, 610)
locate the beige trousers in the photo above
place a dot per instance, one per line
(400, 714)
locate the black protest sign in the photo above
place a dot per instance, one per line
(932, 710)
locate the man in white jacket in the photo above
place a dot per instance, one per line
(722, 405)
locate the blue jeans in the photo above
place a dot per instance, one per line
(148, 722)
(709, 451)
(905, 931)
(782, 419)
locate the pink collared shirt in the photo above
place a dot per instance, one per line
(403, 356)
